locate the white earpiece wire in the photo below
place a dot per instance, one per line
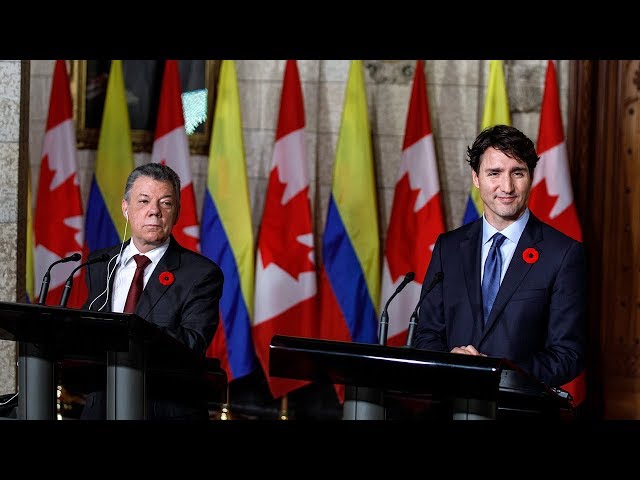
(110, 273)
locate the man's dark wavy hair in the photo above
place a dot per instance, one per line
(509, 140)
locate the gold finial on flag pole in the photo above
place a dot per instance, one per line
(284, 405)
(225, 412)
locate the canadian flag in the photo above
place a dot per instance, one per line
(551, 198)
(171, 148)
(285, 285)
(58, 219)
(416, 215)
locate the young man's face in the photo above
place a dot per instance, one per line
(504, 184)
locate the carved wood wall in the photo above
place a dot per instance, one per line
(604, 150)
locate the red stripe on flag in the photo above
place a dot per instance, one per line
(60, 106)
(170, 114)
(291, 116)
(541, 201)
(290, 322)
(171, 148)
(332, 324)
(416, 215)
(286, 285)
(550, 132)
(58, 217)
(418, 121)
(408, 228)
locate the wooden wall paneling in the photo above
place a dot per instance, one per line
(604, 153)
(581, 143)
(595, 146)
(622, 342)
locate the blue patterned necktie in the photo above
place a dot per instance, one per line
(491, 277)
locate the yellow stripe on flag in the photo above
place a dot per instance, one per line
(114, 159)
(496, 112)
(354, 185)
(227, 178)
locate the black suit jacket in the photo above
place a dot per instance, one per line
(538, 320)
(187, 309)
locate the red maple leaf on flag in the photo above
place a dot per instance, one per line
(49, 213)
(281, 227)
(408, 228)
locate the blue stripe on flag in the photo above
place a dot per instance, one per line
(235, 317)
(347, 279)
(100, 231)
(471, 213)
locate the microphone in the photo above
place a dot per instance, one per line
(44, 288)
(69, 283)
(384, 319)
(437, 278)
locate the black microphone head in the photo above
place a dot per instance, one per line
(74, 258)
(408, 278)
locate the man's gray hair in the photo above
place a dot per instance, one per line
(157, 171)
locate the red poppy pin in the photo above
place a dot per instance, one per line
(166, 278)
(530, 255)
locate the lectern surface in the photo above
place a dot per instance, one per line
(411, 373)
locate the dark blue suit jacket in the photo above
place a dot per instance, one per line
(538, 320)
(187, 309)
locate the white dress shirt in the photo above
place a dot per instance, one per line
(513, 233)
(126, 269)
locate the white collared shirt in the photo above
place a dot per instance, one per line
(126, 269)
(513, 233)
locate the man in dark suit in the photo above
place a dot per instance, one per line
(520, 297)
(181, 289)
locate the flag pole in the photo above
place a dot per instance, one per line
(284, 408)
(225, 412)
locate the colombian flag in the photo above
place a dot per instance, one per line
(226, 232)
(496, 112)
(350, 276)
(114, 162)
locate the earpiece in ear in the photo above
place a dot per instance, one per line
(126, 214)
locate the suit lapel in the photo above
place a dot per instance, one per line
(154, 290)
(470, 251)
(518, 268)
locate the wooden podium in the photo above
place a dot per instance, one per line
(55, 338)
(492, 386)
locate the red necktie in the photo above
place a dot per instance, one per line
(137, 284)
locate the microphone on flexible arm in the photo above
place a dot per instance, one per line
(384, 318)
(437, 278)
(69, 283)
(44, 288)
